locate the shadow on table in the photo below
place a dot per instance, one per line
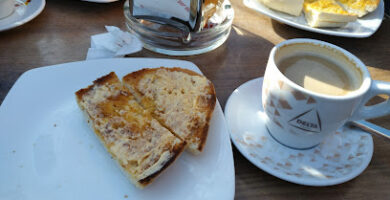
(92, 9)
(62, 14)
(241, 58)
(61, 33)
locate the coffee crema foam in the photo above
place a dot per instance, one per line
(319, 74)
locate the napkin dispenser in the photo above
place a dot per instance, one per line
(178, 13)
(179, 27)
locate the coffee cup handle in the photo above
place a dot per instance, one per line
(377, 110)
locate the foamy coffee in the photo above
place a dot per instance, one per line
(319, 70)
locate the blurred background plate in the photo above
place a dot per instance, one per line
(25, 11)
(363, 27)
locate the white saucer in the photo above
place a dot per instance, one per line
(24, 12)
(340, 158)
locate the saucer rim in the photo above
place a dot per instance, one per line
(296, 180)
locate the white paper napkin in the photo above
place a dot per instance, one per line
(115, 43)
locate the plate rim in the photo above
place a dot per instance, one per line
(331, 32)
(106, 60)
(266, 169)
(49, 67)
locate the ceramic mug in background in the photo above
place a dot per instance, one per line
(302, 116)
(7, 7)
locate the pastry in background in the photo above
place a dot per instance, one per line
(359, 7)
(292, 7)
(326, 13)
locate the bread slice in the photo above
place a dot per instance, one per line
(326, 13)
(142, 147)
(292, 7)
(182, 100)
(359, 7)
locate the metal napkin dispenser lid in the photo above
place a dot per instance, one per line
(178, 13)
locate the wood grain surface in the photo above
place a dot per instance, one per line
(61, 33)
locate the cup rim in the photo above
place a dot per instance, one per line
(366, 78)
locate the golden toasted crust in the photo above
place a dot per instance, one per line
(136, 76)
(177, 150)
(182, 100)
(109, 78)
(141, 146)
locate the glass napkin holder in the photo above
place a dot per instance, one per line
(172, 33)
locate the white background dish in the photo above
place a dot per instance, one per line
(22, 14)
(363, 27)
(339, 158)
(47, 150)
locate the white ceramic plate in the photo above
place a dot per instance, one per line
(341, 157)
(47, 150)
(22, 14)
(363, 27)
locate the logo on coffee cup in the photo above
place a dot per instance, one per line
(307, 121)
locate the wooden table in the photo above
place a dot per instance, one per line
(61, 33)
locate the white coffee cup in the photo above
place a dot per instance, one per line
(6, 8)
(300, 118)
